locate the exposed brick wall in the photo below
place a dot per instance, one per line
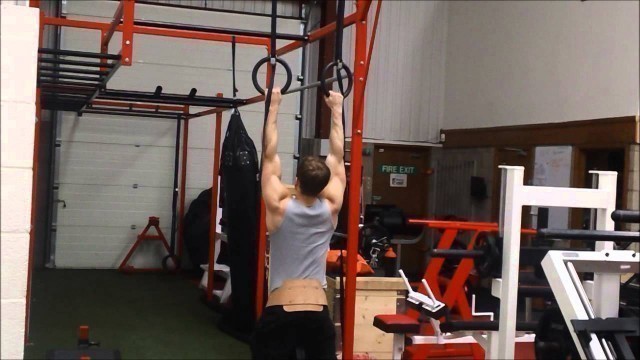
(19, 41)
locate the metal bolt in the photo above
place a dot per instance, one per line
(126, 60)
(128, 42)
(606, 254)
(359, 131)
(360, 79)
(364, 22)
(361, 62)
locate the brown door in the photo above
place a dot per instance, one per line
(597, 159)
(400, 176)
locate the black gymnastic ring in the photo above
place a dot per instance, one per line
(254, 74)
(323, 83)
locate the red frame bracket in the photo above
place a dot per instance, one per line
(154, 222)
(117, 17)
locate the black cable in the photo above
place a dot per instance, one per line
(233, 66)
(274, 18)
(176, 166)
(272, 54)
(174, 205)
(339, 30)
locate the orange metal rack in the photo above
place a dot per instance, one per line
(124, 22)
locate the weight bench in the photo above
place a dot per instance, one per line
(399, 325)
(449, 332)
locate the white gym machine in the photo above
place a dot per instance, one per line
(433, 306)
(433, 309)
(560, 266)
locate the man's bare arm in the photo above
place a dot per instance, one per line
(273, 191)
(334, 191)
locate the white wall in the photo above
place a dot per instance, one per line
(101, 157)
(633, 184)
(524, 62)
(19, 46)
(405, 89)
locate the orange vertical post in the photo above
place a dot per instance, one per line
(214, 203)
(107, 34)
(354, 185)
(104, 49)
(261, 263)
(183, 181)
(34, 185)
(128, 14)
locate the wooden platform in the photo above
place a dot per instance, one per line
(374, 296)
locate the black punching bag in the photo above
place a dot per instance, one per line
(239, 200)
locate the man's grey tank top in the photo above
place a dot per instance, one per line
(298, 248)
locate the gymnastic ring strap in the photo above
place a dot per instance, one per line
(254, 74)
(349, 74)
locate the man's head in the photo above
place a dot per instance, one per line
(312, 176)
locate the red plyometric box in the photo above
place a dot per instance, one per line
(155, 223)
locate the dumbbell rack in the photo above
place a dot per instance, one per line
(515, 195)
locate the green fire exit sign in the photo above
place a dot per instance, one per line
(398, 169)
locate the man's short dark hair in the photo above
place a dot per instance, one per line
(313, 175)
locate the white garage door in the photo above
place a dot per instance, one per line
(114, 172)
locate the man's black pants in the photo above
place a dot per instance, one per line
(282, 335)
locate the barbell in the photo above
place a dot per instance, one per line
(626, 216)
(487, 254)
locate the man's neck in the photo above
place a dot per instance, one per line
(305, 199)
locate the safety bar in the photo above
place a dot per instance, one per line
(74, 70)
(75, 53)
(473, 325)
(156, 115)
(626, 216)
(589, 235)
(140, 96)
(69, 77)
(76, 63)
(69, 83)
(218, 30)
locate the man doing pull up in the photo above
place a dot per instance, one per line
(300, 229)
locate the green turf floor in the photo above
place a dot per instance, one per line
(145, 316)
